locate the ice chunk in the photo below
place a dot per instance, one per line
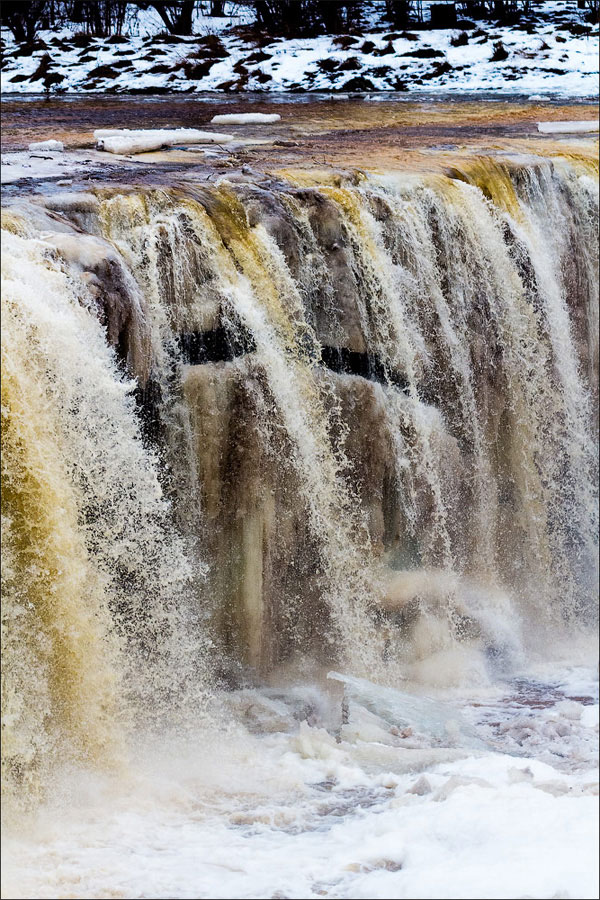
(260, 714)
(456, 781)
(444, 724)
(55, 146)
(589, 717)
(582, 127)
(125, 141)
(420, 787)
(245, 119)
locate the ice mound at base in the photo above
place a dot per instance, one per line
(588, 125)
(125, 141)
(245, 118)
(441, 722)
(56, 146)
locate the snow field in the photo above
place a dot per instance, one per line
(550, 60)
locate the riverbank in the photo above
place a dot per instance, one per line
(550, 52)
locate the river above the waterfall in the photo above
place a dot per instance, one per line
(384, 132)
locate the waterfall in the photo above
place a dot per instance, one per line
(342, 418)
(98, 623)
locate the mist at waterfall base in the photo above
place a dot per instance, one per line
(259, 434)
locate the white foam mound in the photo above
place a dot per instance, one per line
(582, 127)
(126, 141)
(56, 146)
(245, 119)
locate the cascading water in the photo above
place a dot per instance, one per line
(98, 627)
(347, 420)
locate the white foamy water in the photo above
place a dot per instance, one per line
(372, 814)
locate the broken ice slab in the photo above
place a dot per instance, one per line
(440, 722)
(581, 127)
(54, 146)
(245, 119)
(125, 141)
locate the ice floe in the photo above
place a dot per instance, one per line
(245, 119)
(582, 127)
(54, 146)
(125, 141)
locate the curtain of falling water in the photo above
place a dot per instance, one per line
(255, 286)
(446, 458)
(96, 629)
(462, 285)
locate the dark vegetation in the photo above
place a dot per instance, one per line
(282, 18)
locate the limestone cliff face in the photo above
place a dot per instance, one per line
(355, 379)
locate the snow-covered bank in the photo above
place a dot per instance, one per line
(550, 56)
(297, 813)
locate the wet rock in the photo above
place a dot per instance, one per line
(359, 83)
(120, 305)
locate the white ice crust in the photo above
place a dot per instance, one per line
(583, 127)
(245, 119)
(125, 141)
(55, 146)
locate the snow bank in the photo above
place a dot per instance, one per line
(568, 127)
(246, 119)
(56, 146)
(126, 141)
(543, 63)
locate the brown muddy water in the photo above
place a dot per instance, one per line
(388, 132)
